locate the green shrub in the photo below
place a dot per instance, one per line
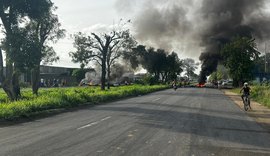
(150, 80)
(55, 98)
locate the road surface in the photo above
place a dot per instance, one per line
(189, 121)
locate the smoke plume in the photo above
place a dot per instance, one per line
(227, 19)
(200, 27)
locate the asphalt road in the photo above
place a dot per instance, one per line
(189, 121)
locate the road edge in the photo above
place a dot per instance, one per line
(259, 112)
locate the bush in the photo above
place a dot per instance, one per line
(150, 80)
(261, 94)
(55, 98)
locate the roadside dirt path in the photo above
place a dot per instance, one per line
(259, 112)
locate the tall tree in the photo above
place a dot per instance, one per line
(115, 52)
(239, 57)
(154, 61)
(173, 67)
(104, 49)
(13, 15)
(40, 32)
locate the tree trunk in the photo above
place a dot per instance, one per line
(11, 84)
(103, 74)
(163, 76)
(10, 81)
(16, 85)
(5, 83)
(108, 77)
(2, 77)
(35, 78)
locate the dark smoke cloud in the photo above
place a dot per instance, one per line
(199, 27)
(162, 23)
(227, 19)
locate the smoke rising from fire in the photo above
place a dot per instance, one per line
(199, 27)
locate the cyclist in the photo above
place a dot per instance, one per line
(246, 91)
(174, 85)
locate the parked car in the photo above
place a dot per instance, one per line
(227, 84)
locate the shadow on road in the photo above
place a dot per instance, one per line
(199, 124)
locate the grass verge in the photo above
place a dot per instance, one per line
(59, 98)
(260, 94)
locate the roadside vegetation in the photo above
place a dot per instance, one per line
(259, 94)
(56, 98)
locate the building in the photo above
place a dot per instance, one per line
(49, 75)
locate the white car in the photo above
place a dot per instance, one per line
(227, 84)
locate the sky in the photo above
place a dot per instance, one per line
(97, 16)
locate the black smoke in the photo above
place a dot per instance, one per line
(204, 25)
(162, 23)
(228, 19)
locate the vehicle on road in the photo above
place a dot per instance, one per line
(227, 84)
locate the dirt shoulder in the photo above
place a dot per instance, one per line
(259, 112)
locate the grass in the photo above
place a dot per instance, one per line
(56, 98)
(260, 94)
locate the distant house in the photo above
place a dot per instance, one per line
(259, 77)
(50, 75)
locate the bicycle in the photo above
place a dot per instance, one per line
(174, 87)
(246, 102)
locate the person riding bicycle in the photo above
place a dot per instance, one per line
(246, 90)
(174, 84)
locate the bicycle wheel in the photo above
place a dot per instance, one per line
(245, 104)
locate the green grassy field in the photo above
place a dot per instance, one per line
(55, 98)
(259, 94)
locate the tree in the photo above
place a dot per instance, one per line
(216, 76)
(172, 68)
(40, 32)
(124, 45)
(14, 15)
(190, 66)
(239, 57)
(104, 49)
(156, 62)
(136, 56)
